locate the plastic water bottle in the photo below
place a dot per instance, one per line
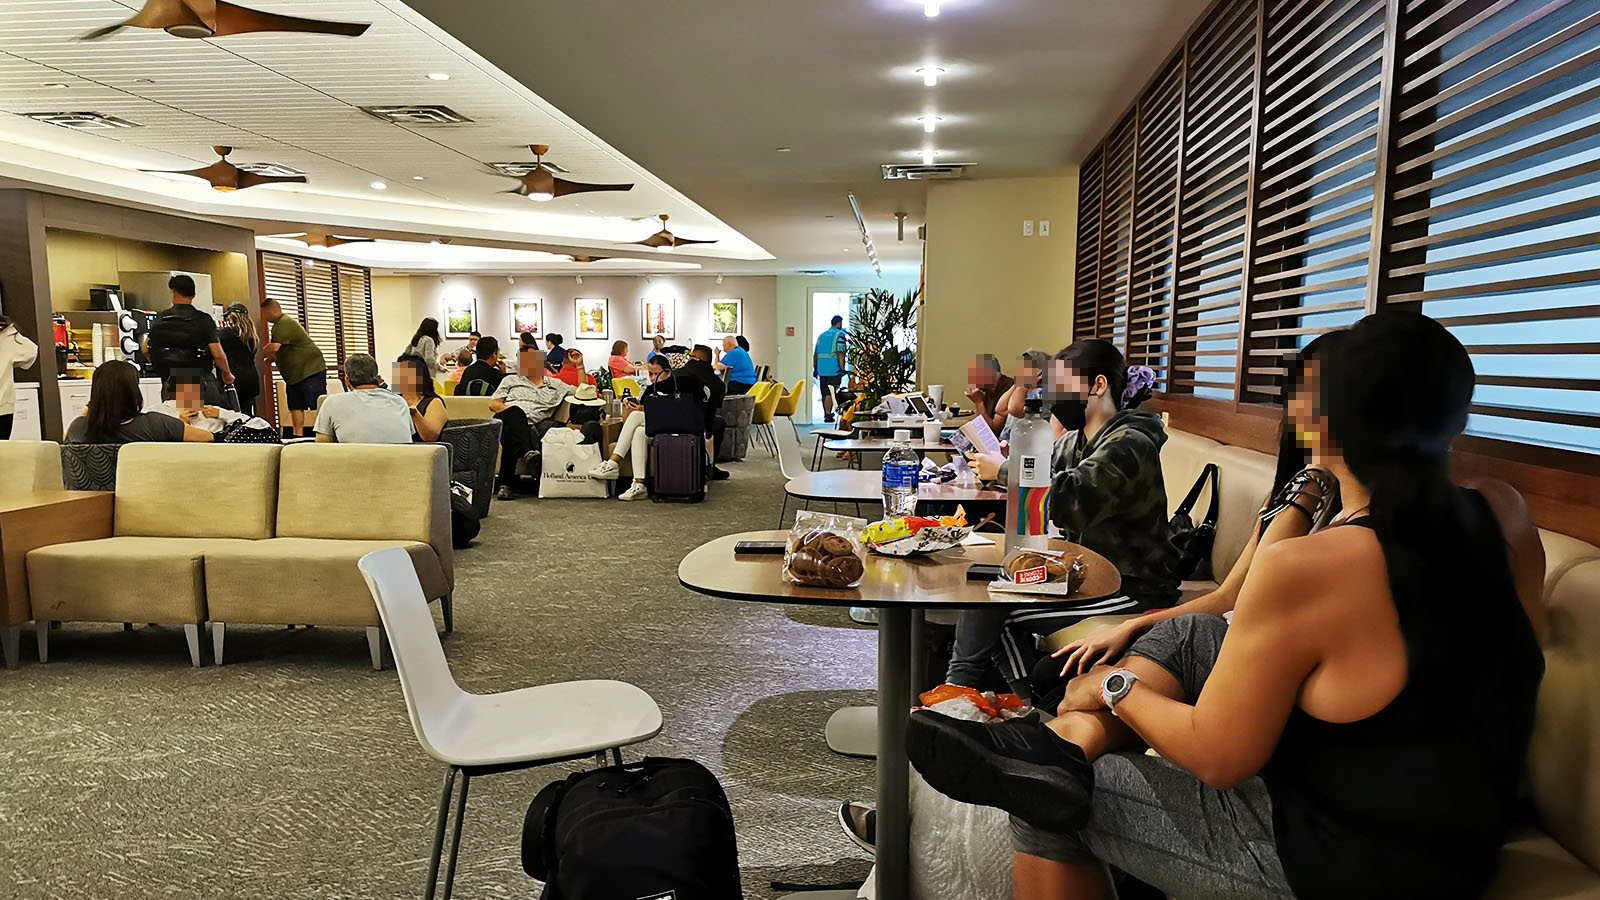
(900, 467)
(1028, 482)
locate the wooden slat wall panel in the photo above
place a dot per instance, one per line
(1119, 166)
(1087, 266)
(355, 310)
(1154, 245)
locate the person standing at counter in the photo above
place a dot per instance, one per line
(239, 344)
(183, 341)
(299, 361)
(16, 352)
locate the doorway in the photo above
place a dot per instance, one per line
(824, 306)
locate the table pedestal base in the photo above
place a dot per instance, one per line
(821, 895)
(853, 731)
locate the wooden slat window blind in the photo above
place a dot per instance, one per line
(320, 303)
(354, 284)
(1297, 164)
(333, 301)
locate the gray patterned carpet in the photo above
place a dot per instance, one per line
(292, 770)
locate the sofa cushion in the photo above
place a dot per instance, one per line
(197, 490)
(1564, 756)
(1561, 553)
(314, 581)
(122, 579)
(1534, 867)
(1183, 457)
(1244, 480)
(30, 465)
(467, 407)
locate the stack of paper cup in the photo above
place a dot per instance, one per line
(936, 394)
(931, 431)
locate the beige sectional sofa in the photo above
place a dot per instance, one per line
(30, 466)
(218, 533)
(1561, 861)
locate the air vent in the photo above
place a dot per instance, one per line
(912, 172)
(267, 168)
(519, 169)
(416, 114)
(814, 272)
(81, 121)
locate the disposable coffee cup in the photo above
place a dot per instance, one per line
(936, 394)
(930, 431)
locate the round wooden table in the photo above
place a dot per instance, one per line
(902, 590)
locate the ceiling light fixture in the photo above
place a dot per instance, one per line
(719, 279)
(511, 279)
(649, 278)
(780, 149)
(930, 8)
(379, 186)
(541, 196)
(866, 239)
(311, 263)
(416, 178)
(929, 123)
(930, 75)
(580, 279)
(928, 153)
(438, 76)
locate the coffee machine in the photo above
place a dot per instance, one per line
(61, 332)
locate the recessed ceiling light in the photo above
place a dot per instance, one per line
(379, 186)
(930, 8)
(780, 149)
(928, 155)
(827, 217)
(445, 76)
(416, 178)
(144, 81)
(930, 74)
(929, 123)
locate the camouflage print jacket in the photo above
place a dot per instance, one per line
(1107, 494)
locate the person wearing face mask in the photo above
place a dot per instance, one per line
(1106, 493)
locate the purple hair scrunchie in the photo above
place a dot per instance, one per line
(1139, 378)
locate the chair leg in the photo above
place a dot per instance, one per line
(41, 633)
(191, 634)
(455, 838)
(447, 606)
(127, 626)
(783, 512)
(10, 639)
(375, 646)
(438, 832)
(218, 629)
(616, 755)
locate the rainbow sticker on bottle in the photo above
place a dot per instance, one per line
(1033, 510)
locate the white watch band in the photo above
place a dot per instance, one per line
(1109, 697)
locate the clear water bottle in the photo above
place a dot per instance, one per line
(900, 467)
(1028, 483)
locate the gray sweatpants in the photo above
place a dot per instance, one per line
(1161, 824)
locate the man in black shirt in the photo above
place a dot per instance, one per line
(183, 342)
(488, 369)
(699, 368)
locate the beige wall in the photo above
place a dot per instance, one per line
(77, 260)
(626, 294)
(392, 322)
(988, 288)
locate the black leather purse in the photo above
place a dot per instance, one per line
(674, 413)
(1194, 541)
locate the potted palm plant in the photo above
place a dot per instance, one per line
(882, 349)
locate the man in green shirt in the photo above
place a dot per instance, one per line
(299, 361)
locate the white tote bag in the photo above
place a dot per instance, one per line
(566, 465)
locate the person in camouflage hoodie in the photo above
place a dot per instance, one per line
(1106, 493)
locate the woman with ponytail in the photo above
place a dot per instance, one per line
(1106, 493)
(1342, 738)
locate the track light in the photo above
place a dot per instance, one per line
(719, 279)
(649, 278)
(511, 279)
(930, 75)
(929, 123)
(580, 279)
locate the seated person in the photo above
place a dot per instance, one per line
(1326, 745)
(410, 380)
(737, 366)
(460, 361)
(986, 385)
(585, 409)
(114, 414)
(1106, 493)
(699, 367)
(618, 363)
(1029, 383)
(525, 404)
(632, 438)
(489, 369)
(189, 407)
(367, 412)
(571, 371)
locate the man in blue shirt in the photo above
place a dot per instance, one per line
(827, 363)
(737, 364)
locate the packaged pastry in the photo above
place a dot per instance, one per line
(1054, 567)
(825, 551)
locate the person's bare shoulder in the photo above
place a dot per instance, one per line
(1524, 549)
(1299, 575)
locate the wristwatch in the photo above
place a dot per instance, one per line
(1116, 686)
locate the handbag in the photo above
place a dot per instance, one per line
(1194, 541)
(565, 466)
(674, 413)
(248, 431)
(230, 397)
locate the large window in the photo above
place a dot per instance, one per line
(1297, 164)
(332, 300)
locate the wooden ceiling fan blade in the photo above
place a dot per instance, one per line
(252, 179)
(154, 14)
(220, 173)
(564, 187)
(679, 242)
(233, 19)
(99, 33)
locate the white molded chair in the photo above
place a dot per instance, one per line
(805, 486)
(482, 734)
(828, 434)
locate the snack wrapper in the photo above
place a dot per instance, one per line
(825, 550)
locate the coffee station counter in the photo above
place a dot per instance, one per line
(74, 391)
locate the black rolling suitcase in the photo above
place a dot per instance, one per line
(680, 468)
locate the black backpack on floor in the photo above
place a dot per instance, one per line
(659, 829)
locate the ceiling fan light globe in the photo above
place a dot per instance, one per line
(664, 248)
(189, 30)
(225, 188)
(541, 196)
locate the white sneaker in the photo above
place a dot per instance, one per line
(605, 470)
(637, 492)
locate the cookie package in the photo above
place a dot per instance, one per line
(825, 550)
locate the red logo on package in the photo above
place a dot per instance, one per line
(1035, 575)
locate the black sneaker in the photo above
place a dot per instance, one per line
(827, 417)
(719, 474)
(860, 824)
(1018, 765)
(505, 494)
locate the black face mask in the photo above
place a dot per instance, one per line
(1071, 411)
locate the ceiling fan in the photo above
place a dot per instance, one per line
(586, 259)
(542, 184)
(329, 240)
(218, 18)
(665, 240)
(225, 176)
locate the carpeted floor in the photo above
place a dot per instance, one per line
(293, 772)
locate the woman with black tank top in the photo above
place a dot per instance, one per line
(1345, 740)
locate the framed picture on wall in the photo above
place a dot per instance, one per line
(592, 317)
(658, 317)
(727, 317)
(460, 317)
(527, 316)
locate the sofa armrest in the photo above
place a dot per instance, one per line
(67, 517)
(439, 536)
